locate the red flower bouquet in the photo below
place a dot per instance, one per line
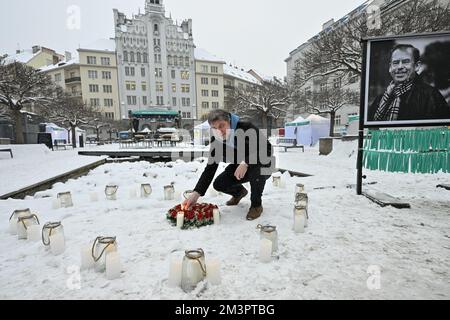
(199, 215)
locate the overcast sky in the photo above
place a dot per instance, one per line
(256, 34)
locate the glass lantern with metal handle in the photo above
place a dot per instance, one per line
(193, 269)
(276, 181)
(111, 192)
(146, 190)
(301, 199)
(169, 192)
(65, 199)
(187, 194)
(300, 218)
(270, 233)
(100, 248)
(23, 224)
(299, 188)
(50, 229)
(14, 219)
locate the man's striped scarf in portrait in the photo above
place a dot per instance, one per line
(389, 106)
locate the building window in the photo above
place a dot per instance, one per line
(215, 81)
(337, 83)
(142, 72)
(132, 73)
(174, 102)
(93, 88)
(105, 61)
(205, 105)
(58, 77)
(158, 72)
(185, 88)
(180, 61)
(214, 69)
(169, 60)
(337, 120)
(156, 27)
(214, 93)
(159, 87)
(174, 87)
(130, 85)
(144, 86)
(205, 93)
(183, 115)
(185, 102)
(106, 74)
(204, 68)
(173, 73)
(132, 101)
(157, 58)
(95, 102)
(229, 83)
(92, 74)
(186, 61)
(323, 87)
(129, 71)
(109, 115)
(144, 100)
(125, 56)
(107, 89)
(138, 57)
(109, 102)
(132, 56)
(159, 100)
(145, 58)
(184, 75)
(91, 60)
(204, 81)
(175, 61)
(215, 105)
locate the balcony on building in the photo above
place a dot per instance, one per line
(73, 80)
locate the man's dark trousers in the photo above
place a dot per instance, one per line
(228, 184)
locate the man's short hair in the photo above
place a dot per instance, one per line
(217, 115)
(405, 47)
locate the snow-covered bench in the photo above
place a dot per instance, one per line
(288, 144)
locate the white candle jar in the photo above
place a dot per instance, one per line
(193, 269)
(50, 229)
(146, 190)
(169, 192)
(111, 192)
(300, 218)
(276, 181)
(299, 188)
(100, 247)
(65, 199)
(14, 219)
(23, 224)
(270, 233)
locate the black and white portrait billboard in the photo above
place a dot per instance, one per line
(408, 81)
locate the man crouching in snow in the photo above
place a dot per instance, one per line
(249, 154)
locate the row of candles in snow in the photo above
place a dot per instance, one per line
(26, 226)
(269, 235)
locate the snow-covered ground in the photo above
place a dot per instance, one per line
(36, 163)
(347, 236)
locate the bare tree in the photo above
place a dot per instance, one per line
(269, 101)
(339, 50)
(329, 101)
(22, 86)
(71, 112)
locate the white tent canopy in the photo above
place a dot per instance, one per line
(308, 131)
(202, 133)
(320, 127)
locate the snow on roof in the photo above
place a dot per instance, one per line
(238, 73)
(24, 56)
(203, 55)
(61, 64)
(316, 118)
(101, 45)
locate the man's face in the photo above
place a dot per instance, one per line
(402, 66)
(221, 129)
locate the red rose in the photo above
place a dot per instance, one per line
(189, 215)
(199, 216)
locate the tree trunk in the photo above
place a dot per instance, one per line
(17, 116)
(332, 122)
(264, 119)
(74, 136)
(98, 134)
